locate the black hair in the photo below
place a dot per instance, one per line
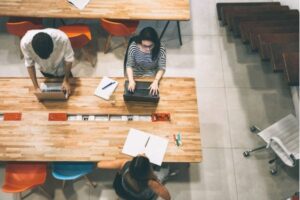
(42, 45)
(150, 34)
(140, 168)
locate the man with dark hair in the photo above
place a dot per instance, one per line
(50, 50)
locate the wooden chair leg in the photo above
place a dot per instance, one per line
(125, 42)
(87, 55)
(17, 41)
(107, 44)
(18, 196)
(94, 185)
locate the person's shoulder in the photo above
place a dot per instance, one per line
(56, 34)
(27, 38)
(162, 46)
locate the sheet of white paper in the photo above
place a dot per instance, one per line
(107, 92)
(80, 4)
(155, 149)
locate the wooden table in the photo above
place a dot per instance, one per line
(96, 9)
(34, 138)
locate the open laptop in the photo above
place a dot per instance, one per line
(51, 92)
(141, 93)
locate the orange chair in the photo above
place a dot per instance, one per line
(79, 35)
(19, 26)
(119, 28)
(20, 177)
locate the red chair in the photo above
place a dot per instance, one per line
(79, 35)
(19, 26)
(20, 177)
(119, 28)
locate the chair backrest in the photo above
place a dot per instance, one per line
(71, 170)
(283, 138)
(115, 28)
(20, 28)
(24, 176)
(79, 35)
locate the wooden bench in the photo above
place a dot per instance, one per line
(277, 51)
(247, 26)
(230, 13)
(291, 68)
(277, 29)
(265, 39)
(246, 4)
(274, 15)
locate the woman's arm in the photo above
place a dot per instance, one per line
(112, 164)
(154, 86)
(159, 189)
(131, 85)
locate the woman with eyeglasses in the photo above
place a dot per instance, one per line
(146, 56)
(136, 179)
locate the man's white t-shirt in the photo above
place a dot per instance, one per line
(62, 51)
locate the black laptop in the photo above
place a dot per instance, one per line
(141, 93)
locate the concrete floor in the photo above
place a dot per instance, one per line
(235, 89)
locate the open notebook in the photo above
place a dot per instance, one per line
(139, 142)
(106, 87)
(80, 4)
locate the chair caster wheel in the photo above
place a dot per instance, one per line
(273, 171)
(246, 154)
(254, 129)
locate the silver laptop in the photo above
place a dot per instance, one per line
(51, 92)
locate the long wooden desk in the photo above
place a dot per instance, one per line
(96, 9)
(34, 138)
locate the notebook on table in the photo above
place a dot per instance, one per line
(141, 93)
(106, 87)
(139, 142)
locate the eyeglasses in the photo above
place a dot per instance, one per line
(147, 47)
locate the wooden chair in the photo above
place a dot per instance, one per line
(291, 68)
(274, 15)
(265, 39)
(277, 29)
(19, 26)
(247, 26)
(221, 6)
(118, 28)
(277, 51)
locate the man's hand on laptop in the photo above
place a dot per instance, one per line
(66, 87)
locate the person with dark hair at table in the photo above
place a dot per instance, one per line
(50, 50)
(145, 56)
(136, 179)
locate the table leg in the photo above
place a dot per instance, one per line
(179, 33)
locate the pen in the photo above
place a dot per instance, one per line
(179, 138)
(147, 141)
(108, 85)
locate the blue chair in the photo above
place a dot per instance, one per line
(72, 170)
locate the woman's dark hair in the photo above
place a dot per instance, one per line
(150, 34)
(140, 168)
(42, 45)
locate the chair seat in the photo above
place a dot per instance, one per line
(20, 177)
(19, 26)
(71, 170)
(79, 35)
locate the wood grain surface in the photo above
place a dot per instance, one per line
(96, 9)
(34, 138)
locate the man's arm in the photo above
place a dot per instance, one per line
(159, 189)
(32, 74)
(66, 85)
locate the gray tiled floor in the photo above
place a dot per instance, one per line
(234, 88)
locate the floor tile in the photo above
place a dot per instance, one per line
(255, 182)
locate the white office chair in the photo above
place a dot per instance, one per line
(283, 138)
